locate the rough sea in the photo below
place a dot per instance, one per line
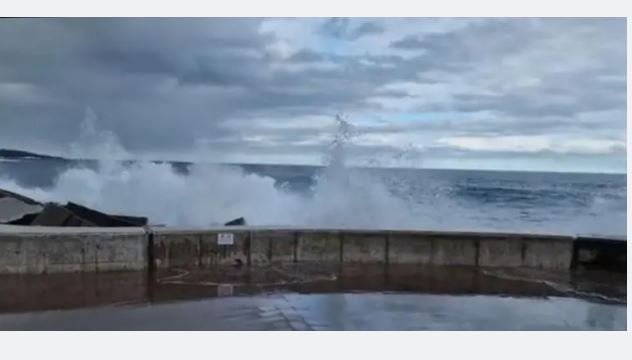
(197, 195)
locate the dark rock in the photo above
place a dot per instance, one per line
(238, 221)
(105, 220)
(19, 154)
(27, 200)
(24, 220)
(131, 220)
(15, 207)
(57, 215)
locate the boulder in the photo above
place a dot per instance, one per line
(105, 220)
(238, 221)
(57, 215)
(14, 207)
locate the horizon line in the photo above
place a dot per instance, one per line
(46, 156)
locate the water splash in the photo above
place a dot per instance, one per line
(348, 197)
(95, 143)
(344, 133)
(213, 194)
(341, 196)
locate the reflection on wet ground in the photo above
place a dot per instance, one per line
(316, 298)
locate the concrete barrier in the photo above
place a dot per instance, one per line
(363, 247)
(272, 246)
(257, 246)
(39, 250)
(44, 250)
(185, 248)
(319, 246)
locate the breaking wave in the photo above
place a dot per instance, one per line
(338, 196)
(213, 194)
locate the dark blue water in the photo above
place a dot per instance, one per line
(504, 200)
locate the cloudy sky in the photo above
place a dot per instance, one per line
(519, 94)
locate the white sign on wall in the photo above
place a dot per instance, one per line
(225, 239)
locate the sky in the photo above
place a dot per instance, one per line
(537, 94)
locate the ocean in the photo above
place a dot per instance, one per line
(198, 195)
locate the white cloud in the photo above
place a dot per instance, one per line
(279, 50)
(533, 144)
(300, 67)
(304, 122)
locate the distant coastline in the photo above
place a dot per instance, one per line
(11, 154)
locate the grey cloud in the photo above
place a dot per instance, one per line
(409, 42)
(117, 66)
(307, 56)
(342, 28)
(569, 79)
(493, 35)
(161, 84)
(367, 28)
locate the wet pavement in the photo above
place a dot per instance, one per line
(316, 298)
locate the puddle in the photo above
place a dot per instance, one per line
(316, 298)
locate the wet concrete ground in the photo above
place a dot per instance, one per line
(316, 298)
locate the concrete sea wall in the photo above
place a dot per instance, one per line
(262, 247)
(29, 250)
(37, 250)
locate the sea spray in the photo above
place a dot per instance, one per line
(347, 197)
(212, 194)
(341, 196)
